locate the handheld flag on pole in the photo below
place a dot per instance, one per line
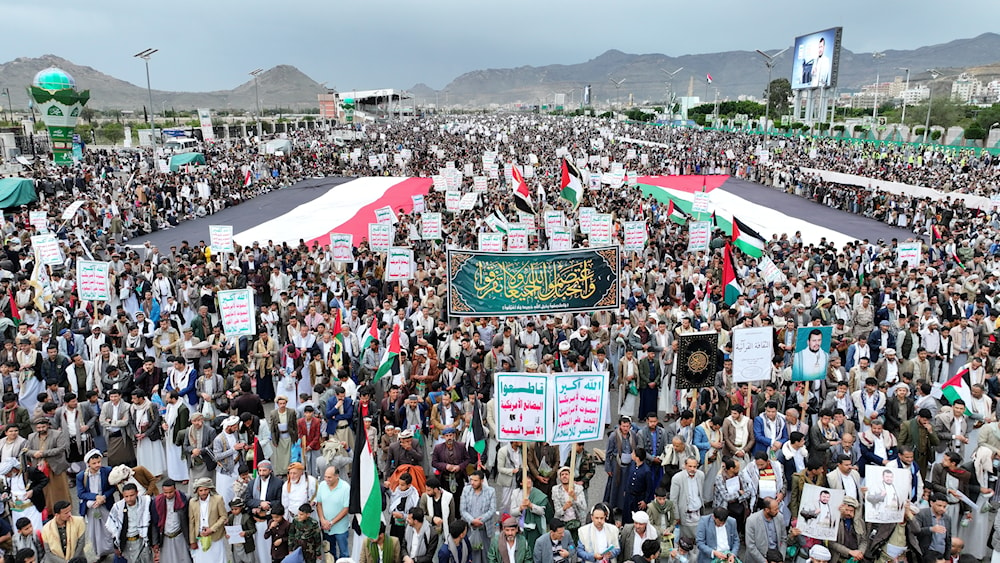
(747, 239)
(676, 214)
(522, 195)
(730, 286)
(366, 490)
(478, 431)
(390, 359)
(572, 183)
(248, 178)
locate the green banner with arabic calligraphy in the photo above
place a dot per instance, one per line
(526, 283)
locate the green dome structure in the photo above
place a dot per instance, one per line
(54, 93)
(53, 79)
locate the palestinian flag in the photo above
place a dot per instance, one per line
(15, 315)
(959, 387)
(371, 335)
(730, 286)
(478, 431)
(572, 183)
(935, 233)
(498, 222)
(258, 456)
(747, 239)
(248, 178)
(676, 214)
(366, 492)
(522, 195)
(338, 340)
(390, 359)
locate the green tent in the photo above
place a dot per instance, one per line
(16, 191)
(179, 160)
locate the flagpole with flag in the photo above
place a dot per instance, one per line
(522, 195)
(676, 214)
(959, 387)
(390, 359)
(366, 487)
(731, 289)
(371, 335)
(248, 178)
(15, 314)
(747, 239)
(572, 183)
(478, 433)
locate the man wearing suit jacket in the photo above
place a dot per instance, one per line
(708, 539)
(653, 439)
(769, 430)
(934, 529)
(918, 433)
(556, 543)
(852, 535)
(845, 478)
(634, 535)
(757, 537)
(263, 492)
(685, 491)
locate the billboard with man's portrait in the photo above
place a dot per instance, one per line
(816, 59)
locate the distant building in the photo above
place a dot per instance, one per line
(966, 88)
(915, 95)
(993, 92)
(328, 105)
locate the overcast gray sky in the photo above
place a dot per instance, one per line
(213, 44)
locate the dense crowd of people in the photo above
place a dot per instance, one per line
(136, 429)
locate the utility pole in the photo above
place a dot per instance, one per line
(256, 91)
(769, 63)
(618, 85)
(145, 55)
(902, 118)
(877, 57)
(670, 89)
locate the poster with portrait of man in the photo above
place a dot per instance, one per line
(812, 352)
(888, 491)
(819, 512)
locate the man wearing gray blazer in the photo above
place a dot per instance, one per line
(686, 493)
(707, 538)
(555, 543)
(757, 536)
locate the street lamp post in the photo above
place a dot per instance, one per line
(618, 85)
(877, 57)
(145, 55)
(902, 118)
(256, 93)
(670, 89)
(10, 110)
(930, 99)
(769, 63)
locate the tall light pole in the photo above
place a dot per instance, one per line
(670, 89)
(144, 55)
(618, 85)
(256, 93)
(769, 63)
(877, 57)
(930, 99)
(902, 118)
(10, 110)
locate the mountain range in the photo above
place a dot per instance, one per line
(734, 73)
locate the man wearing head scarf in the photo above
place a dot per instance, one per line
(228, 452)
(16, 484)
(206, 523)
(171, 519)
(130, 522)
(96, 493)
(263, 492)
(197, 448)
(46, 451)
